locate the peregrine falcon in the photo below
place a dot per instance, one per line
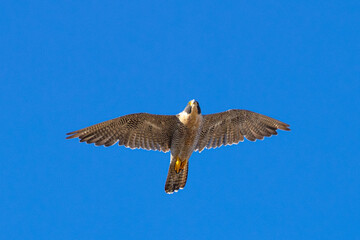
(181, 134)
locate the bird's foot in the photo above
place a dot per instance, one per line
(180, 165)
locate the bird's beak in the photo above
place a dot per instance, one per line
(191, 102)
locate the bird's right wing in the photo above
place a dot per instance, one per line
(140, 130)
(230, 127)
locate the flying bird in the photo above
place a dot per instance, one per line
(181, 134)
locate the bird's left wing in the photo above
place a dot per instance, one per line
(232, 126)
(140, 130)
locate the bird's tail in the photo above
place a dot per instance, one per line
(176, 181)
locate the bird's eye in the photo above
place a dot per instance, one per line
(188, 109)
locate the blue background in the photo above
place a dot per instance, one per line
(66, 65)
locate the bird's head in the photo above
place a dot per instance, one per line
(192, 107)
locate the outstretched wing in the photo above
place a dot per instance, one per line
(232, 126)
(140, 130)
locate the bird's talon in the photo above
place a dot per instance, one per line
(180, 165)
(177, 165)
(183, 164)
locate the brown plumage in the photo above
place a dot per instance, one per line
(140, 130)
(182, 134)
(176, 181)
(230, 127)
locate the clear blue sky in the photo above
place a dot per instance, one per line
(65, 65)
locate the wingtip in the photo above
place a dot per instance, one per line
(287, 127)
(284, 126)
(72, 135)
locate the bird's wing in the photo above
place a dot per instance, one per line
(232, 126)
(140, 130)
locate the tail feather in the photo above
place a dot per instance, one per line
(176, 181)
